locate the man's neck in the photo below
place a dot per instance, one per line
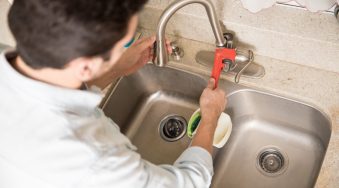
(58, 77)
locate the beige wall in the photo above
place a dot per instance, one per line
(290, 34)
(5, 35)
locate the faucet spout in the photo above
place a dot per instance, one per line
(161, 50)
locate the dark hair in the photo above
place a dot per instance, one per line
(51, 33)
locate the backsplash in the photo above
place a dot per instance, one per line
(5, 35)
(284, 33)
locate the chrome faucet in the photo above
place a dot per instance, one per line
(161, 59)
(225, 57)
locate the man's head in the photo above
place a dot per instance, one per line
(80, 33)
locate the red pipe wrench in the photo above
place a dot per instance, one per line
(221, 57)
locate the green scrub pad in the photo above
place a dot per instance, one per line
(193, 124)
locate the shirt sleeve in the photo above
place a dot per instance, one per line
(124, 168)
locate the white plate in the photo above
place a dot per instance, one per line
(223, 130)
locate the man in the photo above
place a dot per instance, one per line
(52, 134)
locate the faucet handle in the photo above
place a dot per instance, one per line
(241, 58)
(229, 40)
(227, 64)
(177, 52)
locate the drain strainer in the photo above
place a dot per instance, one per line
(172, 128)
(271, 161)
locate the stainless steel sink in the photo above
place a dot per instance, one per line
(276, 141)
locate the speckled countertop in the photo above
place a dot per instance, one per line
(313, 86)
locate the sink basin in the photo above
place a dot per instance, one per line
(276, 141)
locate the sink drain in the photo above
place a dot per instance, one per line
(271, 162)
(172, 128)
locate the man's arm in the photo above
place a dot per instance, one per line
(134, 58)
(212, 104)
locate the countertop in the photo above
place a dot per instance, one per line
(314, 86)
(3, 47)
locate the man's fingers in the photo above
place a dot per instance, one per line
(225, 100)
(169, 49)
(211, 83)
(146, 43)
(168, 46)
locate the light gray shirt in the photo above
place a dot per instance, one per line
(53, 137)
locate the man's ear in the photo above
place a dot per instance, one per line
(86, 68)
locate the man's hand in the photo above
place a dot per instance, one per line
(136, 56)
(212, 102)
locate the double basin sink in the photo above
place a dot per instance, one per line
(275, 142)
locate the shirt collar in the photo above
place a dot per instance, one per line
(72, 100)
